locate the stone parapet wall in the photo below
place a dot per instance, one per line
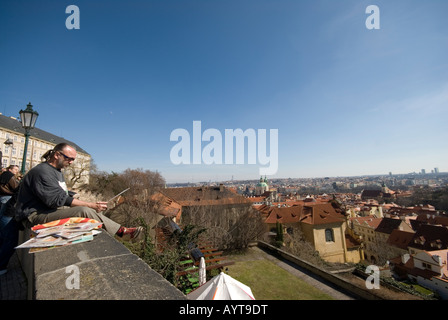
(106, 270)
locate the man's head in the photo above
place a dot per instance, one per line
(61, 156)
(14, 169)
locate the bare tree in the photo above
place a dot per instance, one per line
(77, 174)
(228, 226)
(135, 204)
(135, 212)
(301, 248)
(140, 182)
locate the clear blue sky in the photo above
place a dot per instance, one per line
(346, 100)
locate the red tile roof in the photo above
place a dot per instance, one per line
(410, 268)
(433, 219)
(430, 237)
(400, 239)
(166, 206)
(283, 214)
(372, 222)
(256, 199)
(387, 225)
(317, 213)
(200, 196)
(351, 242)
(322, 214)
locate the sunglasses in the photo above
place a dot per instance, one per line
(67, 158)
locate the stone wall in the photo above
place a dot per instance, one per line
(106, 270)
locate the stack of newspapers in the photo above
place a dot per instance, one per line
(61, 235)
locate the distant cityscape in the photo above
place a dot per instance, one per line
(434, 178)
(397, 222)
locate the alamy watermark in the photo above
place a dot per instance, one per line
(373, 20)
(189, 148)
(373, 280)
(72, 282)
(73, 20)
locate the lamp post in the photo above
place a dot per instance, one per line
(28, 118)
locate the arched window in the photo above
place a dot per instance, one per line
(329, 235)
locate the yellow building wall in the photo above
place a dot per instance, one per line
(331, 251)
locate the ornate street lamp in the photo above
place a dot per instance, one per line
(28, 118)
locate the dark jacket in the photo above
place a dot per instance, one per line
(8, 183)
(41, 190)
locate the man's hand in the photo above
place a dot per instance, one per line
(97, 206)
(100, 206)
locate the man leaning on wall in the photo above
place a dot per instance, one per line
(43, 195)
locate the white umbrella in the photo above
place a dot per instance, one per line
(222, 287)
(202, 272)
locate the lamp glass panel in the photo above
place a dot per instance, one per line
(33, 119)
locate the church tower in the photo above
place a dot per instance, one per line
(262, 186)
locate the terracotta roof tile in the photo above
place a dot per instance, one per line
(387, 225)
(430, 237)
(320, 213)
(372, 222)
(351, 242)
(400, 239)
(200, 196)
(283, 214)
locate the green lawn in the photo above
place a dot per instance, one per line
(270, 282)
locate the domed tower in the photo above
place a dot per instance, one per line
(262, 186)
(384, 188)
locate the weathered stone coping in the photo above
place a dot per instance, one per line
(107, 271)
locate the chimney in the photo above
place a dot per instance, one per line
(405, 258)
(438, 259)
(221, 187)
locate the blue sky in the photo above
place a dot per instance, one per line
(345, 100)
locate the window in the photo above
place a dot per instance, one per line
(426, 265)
(329, 236)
